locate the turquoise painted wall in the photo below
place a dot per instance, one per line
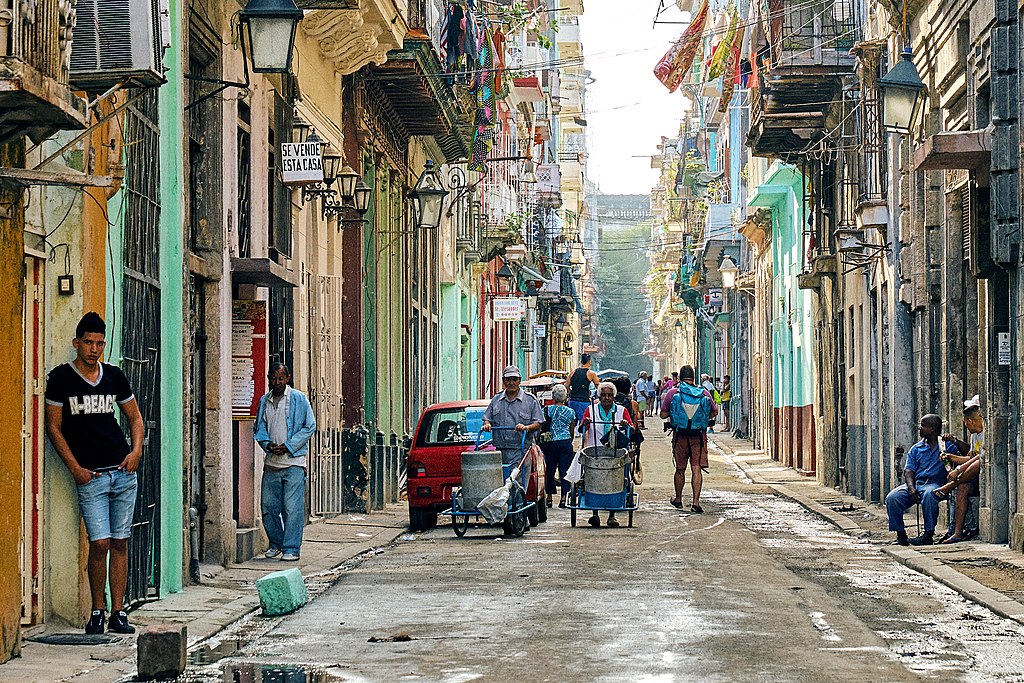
(793, 357)
(172, 273)
(450, 344)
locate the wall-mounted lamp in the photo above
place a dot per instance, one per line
(903, 95)
(428, 198)
(268, 27)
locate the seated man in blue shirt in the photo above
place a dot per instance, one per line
(923, 473)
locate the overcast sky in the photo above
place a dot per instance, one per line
(628, 108)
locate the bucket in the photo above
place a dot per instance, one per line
(604, 473)
(481, 474)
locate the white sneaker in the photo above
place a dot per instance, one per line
(289, 557)
(272, 553)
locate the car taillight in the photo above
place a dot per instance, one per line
(416, 469)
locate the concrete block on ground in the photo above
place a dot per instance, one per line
(161, 651)
(282, 592)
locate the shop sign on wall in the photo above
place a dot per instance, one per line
(508, 308)
(248, 357)
(301, 162)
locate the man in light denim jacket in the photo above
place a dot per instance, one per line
(284, 425)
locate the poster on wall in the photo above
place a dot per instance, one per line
(248, 357)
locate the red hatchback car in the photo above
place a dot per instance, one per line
(434, 466)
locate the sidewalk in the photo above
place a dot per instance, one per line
(988, 574)
(225, 595)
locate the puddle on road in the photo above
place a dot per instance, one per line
(928, 627)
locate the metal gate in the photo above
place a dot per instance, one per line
(140, 341)
(325, 448)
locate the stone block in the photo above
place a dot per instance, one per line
(161, 651)
(282, 592)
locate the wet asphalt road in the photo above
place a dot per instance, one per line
(756, 589)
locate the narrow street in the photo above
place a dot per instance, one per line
(679, 597)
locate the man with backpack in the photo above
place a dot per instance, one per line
(690, 408)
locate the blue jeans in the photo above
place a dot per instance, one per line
(970, 520)
(899, 501)
(107, 503)
(283, 499)
(558, 456)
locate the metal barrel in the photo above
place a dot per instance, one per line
(603, 470)
(481, 474)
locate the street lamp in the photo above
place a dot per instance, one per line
(331, 162)
(561, 321)
(504, 276)
(347, 182)
(269, 29)
(428, 198)
(362, 194)
(729, 272)
(902, 95)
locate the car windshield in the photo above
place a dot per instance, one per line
(452, 425)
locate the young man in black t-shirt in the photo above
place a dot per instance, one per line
(82, 425)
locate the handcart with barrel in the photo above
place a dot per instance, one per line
(608, 479)
(490, 493)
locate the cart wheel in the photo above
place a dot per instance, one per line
(459, 525)
(572, 517)
(630, 522)
(542, 510)
(520, 523)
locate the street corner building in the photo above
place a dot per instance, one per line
(388, 197)
(837, 227)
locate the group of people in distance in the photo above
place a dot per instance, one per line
(932, 474)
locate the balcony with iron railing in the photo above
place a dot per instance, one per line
(35, 99)
(802, 63)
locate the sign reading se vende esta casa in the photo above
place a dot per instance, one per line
(301, 162)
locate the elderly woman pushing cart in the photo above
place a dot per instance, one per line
(606, 425)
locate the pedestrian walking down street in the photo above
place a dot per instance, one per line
(558, 451)
(82, 425)
(650, 393)
(709, 386)
(513, 407)
(600, 421)
(690, 409)
(922, 474)
(726, 395)
(284, 425)
(579, 383)
(640, 392)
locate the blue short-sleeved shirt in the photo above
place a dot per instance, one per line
(924, 461)
(561, 420)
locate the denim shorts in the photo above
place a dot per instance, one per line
(108, 504)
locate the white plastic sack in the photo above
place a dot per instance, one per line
(494, 506)
(575, 471)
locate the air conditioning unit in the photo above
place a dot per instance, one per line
(118, 40)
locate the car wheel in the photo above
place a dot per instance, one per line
(421, 520)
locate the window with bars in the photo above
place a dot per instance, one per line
(280, 219)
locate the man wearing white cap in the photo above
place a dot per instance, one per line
(963, 458)
(513, 408)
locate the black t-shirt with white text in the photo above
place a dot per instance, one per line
(90, 423)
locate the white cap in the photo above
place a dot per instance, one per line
(973, 401)
(511, 371)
